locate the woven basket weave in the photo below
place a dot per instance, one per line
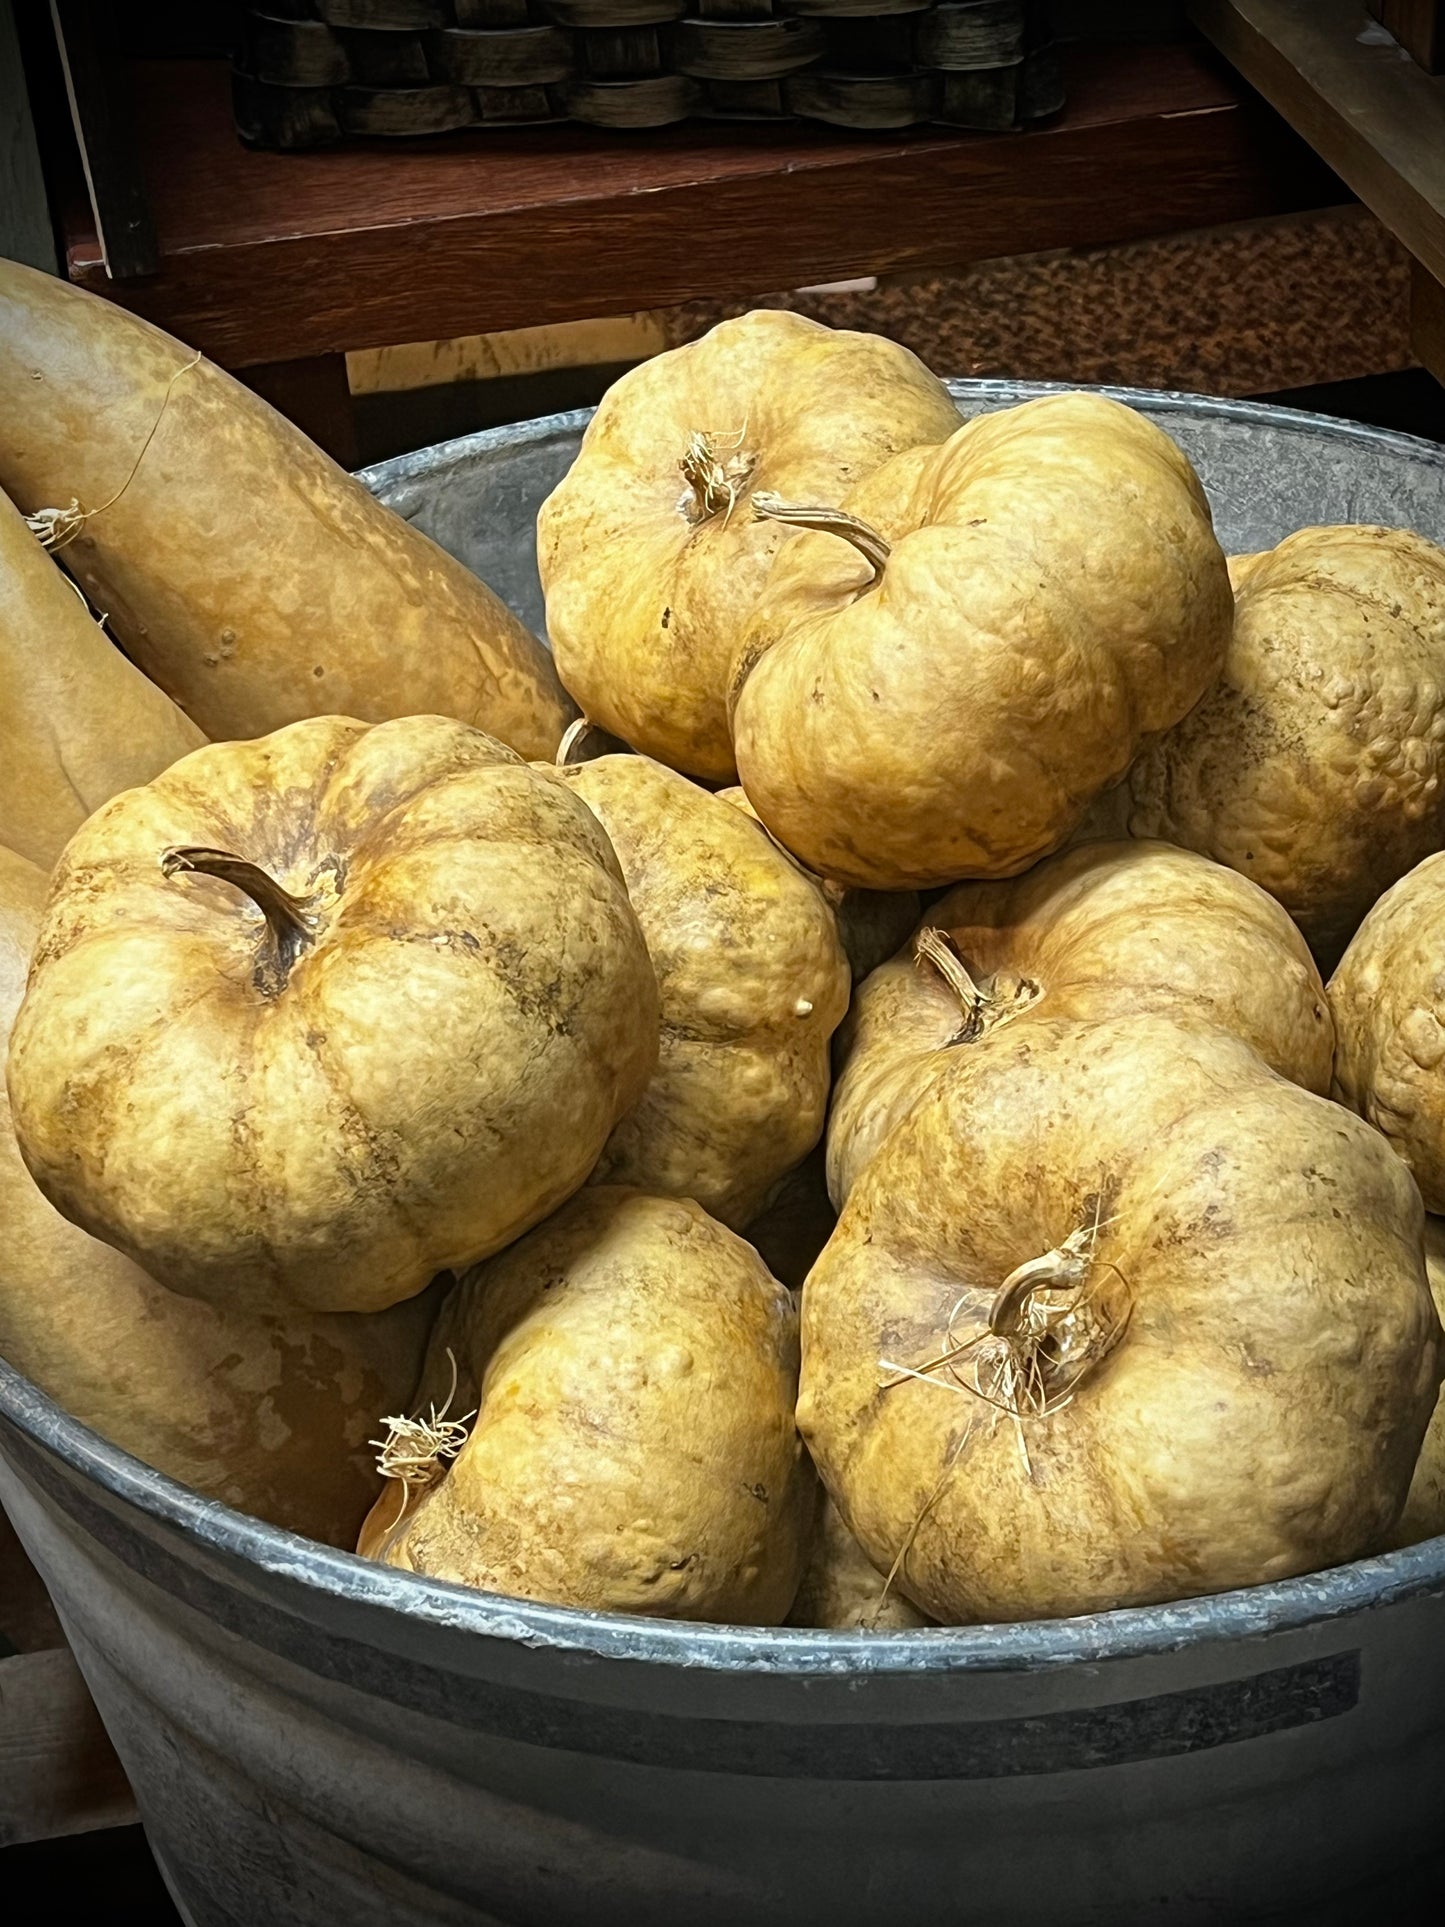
(311, 72)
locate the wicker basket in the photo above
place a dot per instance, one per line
(311, 72)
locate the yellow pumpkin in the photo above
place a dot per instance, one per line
(843, 1588)
(241, 569)
(1099, 931)
(633, 1368)
(649, 553)
(871, 923)
(752, 982)
(1424, 1514)
(1316, 765)
(1388, 998)
(271, 1415)
(1118, 1315)
(938, 681)
(77, 721)
(315, 1017)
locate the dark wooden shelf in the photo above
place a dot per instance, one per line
(270, 257)
(1355, 96)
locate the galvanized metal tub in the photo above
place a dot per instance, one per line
(314, 1739)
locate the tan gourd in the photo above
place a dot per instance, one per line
(648, 549)
(937, 683)
(1118, 1315)
(1099, 931)
(1424, 1514)
(752, 982)
(272, 1416)
(843, 1588)
(315, 1017)
(871, 923)
(77, 721)
(1316, 765)
(245, 573)
(1388, 998)
(633, 1368)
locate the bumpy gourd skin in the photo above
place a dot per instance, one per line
(635, 1369)
(270, 1415)
(871, 923)
(1261, 1410)
(1100, 930)
(1424, 1514)
(1388, 998)
(250, 577)
(1054, 595)
(647, 594)
(438, 1068)
(1316, 765)
(77, 721)
(752, 981)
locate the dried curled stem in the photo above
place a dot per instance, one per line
(984, 1007)
(569, 749)
(931, 946)
(55, 528)
(287, 921)
(415, 1451)
(716, 471)
(874, 548)
(1051, 1324)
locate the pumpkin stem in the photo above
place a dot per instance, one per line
(285, 915)
(587, 742)
(715, 483)
(569, 750)
(874, 548)
(931, 946)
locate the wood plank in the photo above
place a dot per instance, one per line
(1358, 99)
(1418, 25)
(521, 351)
(272, 256)
(25, 231)
(58, 1771)
(99, 107)
(1427, 321)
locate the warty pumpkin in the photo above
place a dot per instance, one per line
(649, 553)
(77, 721)
(1099, 931)
(1118, 1315)
(841, 1586)
(871, 923)
(1424, 1514)
(1316, 764)
(752, 982)
(270, 1415)
(632, 1367)
(1388, 998)
(937, 682)
(245, 573)
(315, 1017)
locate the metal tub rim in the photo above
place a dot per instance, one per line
(396, 470)
(1286, 1605)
